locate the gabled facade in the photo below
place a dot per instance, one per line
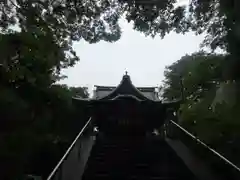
(126, 88)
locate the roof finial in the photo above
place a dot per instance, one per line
(126, 73)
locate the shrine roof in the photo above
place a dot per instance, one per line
(126, 88)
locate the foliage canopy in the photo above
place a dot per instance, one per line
(213, 120)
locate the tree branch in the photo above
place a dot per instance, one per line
(15, 5)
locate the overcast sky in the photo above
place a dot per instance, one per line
(143, 57)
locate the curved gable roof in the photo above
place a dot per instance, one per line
(125, 88)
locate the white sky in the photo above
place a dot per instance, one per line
(143, 57)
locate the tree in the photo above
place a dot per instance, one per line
(36, 43)
(199, 73)
(66, 21)
(220, 20)
(37, 117)
(98, 20)
(36, 131)
(216, 123)
(79, 92)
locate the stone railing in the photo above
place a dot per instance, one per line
(221, 165)
(72, 164)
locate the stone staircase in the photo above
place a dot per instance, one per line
(134, 158)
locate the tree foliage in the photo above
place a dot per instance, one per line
(199, 73)
(66, 21)
(38, 118)
(35, 132)
(216, 123)
(98, 20)
(36, 39)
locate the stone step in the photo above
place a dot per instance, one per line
(129, 160)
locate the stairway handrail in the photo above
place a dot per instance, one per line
(206, 146)
(69, 150)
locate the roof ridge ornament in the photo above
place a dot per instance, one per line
(126, 75)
